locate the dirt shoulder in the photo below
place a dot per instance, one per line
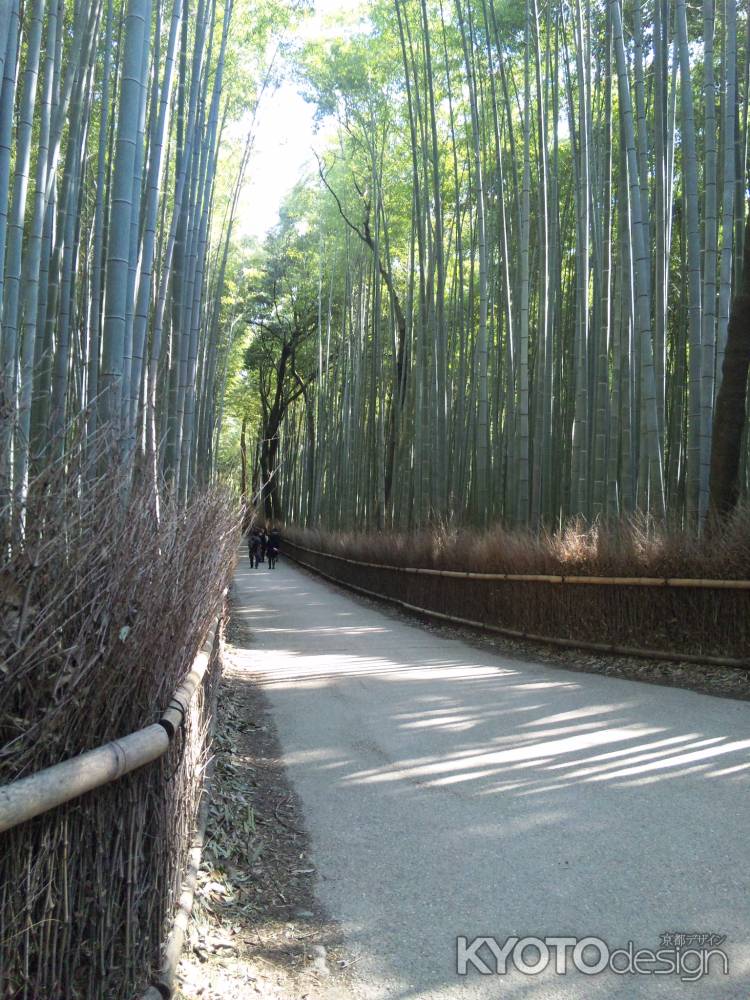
(256, 928)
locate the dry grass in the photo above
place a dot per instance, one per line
(102, 610)
(633, 547)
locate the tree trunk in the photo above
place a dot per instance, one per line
(729, 420)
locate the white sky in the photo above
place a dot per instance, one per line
(286, 133)
(281, 155)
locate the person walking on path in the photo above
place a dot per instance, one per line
(272, 549)
(253, 549)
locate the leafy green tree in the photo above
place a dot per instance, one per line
(282, 310)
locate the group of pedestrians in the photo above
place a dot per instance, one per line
(262, 545)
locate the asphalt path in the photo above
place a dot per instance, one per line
(451, 791)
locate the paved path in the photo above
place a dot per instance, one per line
(450, 791)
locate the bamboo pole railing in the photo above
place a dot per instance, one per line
(25, 798)
(583, 644)
(610, 581)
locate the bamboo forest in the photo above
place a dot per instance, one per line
(507, 294)
(504, 293)
(373, 428)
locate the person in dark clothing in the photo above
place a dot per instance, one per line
(253, 548)
(263, 537)
(272, 549)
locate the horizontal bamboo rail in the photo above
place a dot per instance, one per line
(608, 581)
(598, 647)
(26, 798)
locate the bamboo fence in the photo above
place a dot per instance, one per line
(112, 838)
(685, 619)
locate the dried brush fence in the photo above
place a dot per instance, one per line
(102, 611)
(592, 600)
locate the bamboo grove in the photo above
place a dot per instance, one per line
(507, 293)
(116, 215)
